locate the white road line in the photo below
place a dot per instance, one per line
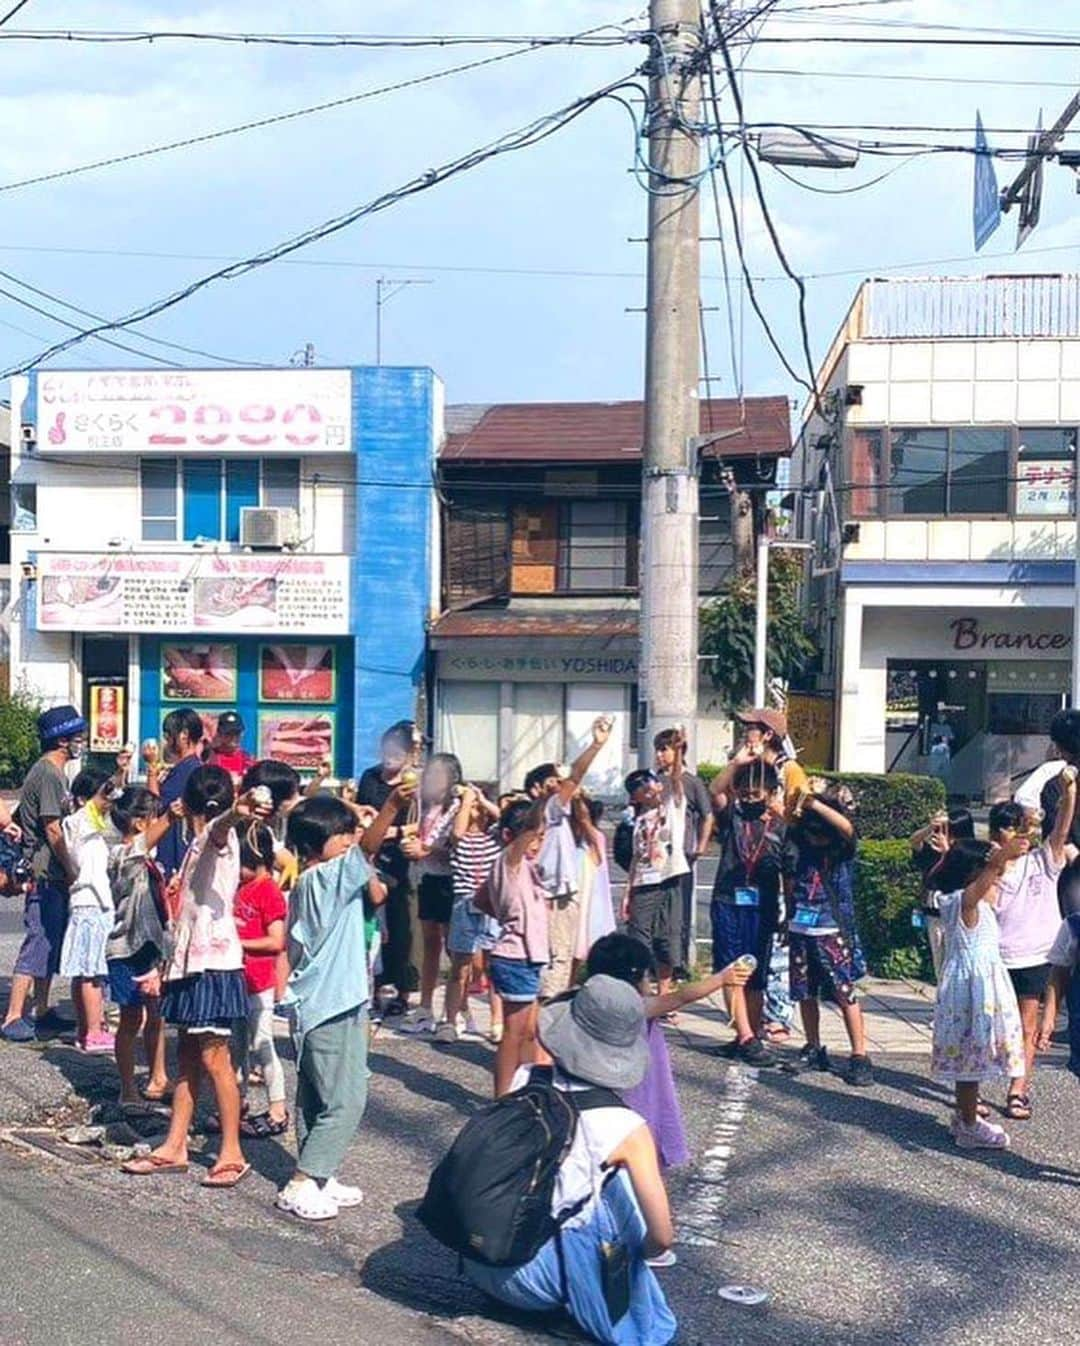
(700, 1216)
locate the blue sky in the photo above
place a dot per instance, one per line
(567, 205)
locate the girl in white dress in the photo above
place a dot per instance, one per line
(977, 1030)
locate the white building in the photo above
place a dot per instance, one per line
(945, 522)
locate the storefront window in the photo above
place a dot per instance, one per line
(978, 471)
(469, 727)
(1046, 472)
(538, 727)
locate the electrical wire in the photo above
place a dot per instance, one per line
(877, 76)
(843, 191)
(143, 336)
(763, 205)
(13, 11)
(606, 35)
(532, 133)
(275, 120)
(865, 41)
(97, 336)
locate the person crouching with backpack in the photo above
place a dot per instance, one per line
(609, 1208)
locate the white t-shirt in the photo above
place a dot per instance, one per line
(1065, 950)
(88, 846)
(1029, 794)
(598, 1134)
(1027, 909)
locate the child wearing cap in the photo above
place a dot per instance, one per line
(226, 750)
(767, 737)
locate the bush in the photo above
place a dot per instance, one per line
(893, 805)
(19, 747)
(887, 890)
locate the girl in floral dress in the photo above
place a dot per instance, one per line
(977, 1030)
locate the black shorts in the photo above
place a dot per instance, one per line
(436, 898)
(656, 919)
(1030, 983)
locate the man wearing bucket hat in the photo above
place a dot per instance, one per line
(43, 802)
(609, 1180)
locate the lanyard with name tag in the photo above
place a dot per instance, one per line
(809, 918)
(747, 897)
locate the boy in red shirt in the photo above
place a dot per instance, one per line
(260, 910)
(226, 751)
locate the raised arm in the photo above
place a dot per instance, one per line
(1063, 820)
(656, 1006)
(721, 786)
(464, 814)
(601, 732)
(836, 820)
(376, 832)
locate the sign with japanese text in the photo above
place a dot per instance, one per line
(1044, 487)
(513, 667)
(193, 411)
(156, 593)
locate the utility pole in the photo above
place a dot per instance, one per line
(384, 292)
(668, 663)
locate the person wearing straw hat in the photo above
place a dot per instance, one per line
(609, 1195)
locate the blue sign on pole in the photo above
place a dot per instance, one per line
(986, 214)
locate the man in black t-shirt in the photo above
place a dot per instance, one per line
(43, 803)
(398, 750)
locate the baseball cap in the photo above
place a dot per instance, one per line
(775, 720)
(60, 722)
(230, 723)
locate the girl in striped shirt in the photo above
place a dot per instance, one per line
(474, 846)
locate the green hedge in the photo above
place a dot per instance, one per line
(887, 891)
(889, 806)
(19, 747)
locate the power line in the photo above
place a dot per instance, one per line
(877, 76)
(606, 35)
(274, 120)
(143, 336)
(13, 11)
(842, 191)
(862, 40)
(533, 133)
(97, 336)
(763, 205)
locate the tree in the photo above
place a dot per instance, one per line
(727, 630)
(19, 747)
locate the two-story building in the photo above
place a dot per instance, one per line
(941, 472)
(539, 628)
(262, 540)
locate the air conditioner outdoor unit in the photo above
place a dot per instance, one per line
(269, 529)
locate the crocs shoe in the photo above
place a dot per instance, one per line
(345, 1197)
(19, 1031)
(307, 1201)
(980, 1135)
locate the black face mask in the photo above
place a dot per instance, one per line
(753, 809)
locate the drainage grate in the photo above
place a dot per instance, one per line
(47, 1141)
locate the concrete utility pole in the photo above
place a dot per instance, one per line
(668, 664)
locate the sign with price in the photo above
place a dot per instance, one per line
(194, 411)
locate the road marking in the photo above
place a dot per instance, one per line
(700, 1216)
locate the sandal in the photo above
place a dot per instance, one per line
(226, 1175)
(1018, 1108)
(158, 1096)
(261, 1126)
(151, 1165)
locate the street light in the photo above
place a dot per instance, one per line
(761, 612)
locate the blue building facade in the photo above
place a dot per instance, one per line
(147, 589)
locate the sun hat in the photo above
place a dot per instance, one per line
(775, 720)
(60, 722)
(597, 1034)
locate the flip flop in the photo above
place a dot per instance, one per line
(234, 1174)
(142, 1108)
(150, 1165)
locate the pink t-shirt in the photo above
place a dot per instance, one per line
(518, 900)
(206, 938)
(1027, 909)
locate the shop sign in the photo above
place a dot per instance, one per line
(156, 593)
(194, 411)
(972, 636)
(1044, 488)
(540, 667)
(810, 727)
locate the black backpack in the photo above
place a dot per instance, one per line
(489, 1198)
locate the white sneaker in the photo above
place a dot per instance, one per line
(496, 1034)
(472, 1028)
(981, 1135)
(345, 1197)
(667, 1259)
(307, 1201)
(446, 1033)
(417, 1021)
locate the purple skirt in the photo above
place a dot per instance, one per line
(655, 1100)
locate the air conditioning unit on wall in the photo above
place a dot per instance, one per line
(269, 529)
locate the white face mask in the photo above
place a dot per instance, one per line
(76, 747)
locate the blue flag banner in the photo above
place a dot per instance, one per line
(986, 214)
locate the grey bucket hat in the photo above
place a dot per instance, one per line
(598, 1034)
